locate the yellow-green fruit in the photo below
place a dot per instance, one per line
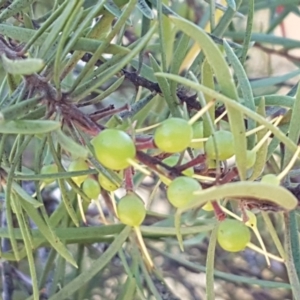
(250, 158)
(172, 161)
(233, 235)
(49, 169)
(173, 135)
(212, 164)
(107, 184)
(220, 146)
(114, 148)
(91, 188)
(181, 191)
(131, 210)
(271, 179)
(78, 165)
(208, 206)
(197, 134)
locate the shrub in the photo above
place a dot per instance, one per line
(95, 96)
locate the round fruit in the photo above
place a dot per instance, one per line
(181, 191)
(171, 161)
(251, 158)
(107, 184)
(271, 179)
(224, 143)
(131, 210)
(49, 169)
(91, 188)
(173, 135)
(113, 148)
(212, 164)
(233, 235)
(197, 134)
(208, 206)
(78, 165)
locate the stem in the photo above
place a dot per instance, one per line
(290, 265)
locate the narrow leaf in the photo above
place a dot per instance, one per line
(258, 190)
(14, 8)
(84, 277)
(18, 110)
(115, 10)
(70, 145)
(210, 262)
(29, 126)
(25, 66)
(231, 4)
(24, 195)
(145, 9)
(225, 80)
(48, 233)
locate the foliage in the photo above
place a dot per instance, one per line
(123, 101)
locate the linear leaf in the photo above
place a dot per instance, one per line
(24, 195)
(14, 8)
(29, 126)
(25, 66)
(143, 6)
(70, 145)
(96, 267)
(48, 233)
(224, 77)
(258, 190)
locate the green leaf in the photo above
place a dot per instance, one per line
(28, 245)
(166, 91)
(18, 110)
(70, 145)
(239, 190)
(128, 289)
(143, 6)
(82, 44)
(115, 10)
(24, 195)
(270, 81)
(25, 66)
(261, 155)
(231, 4)
(14, 8)
(86, 275)
(29, 126)
(218, 63)
(57, 26)
(68, 203)
(245, 87)
(48, 233)
(210, 262)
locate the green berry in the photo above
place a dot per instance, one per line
(131, 210)
(91, 188)
(78, 165)
(49, 169)
(224, 144)
(173, 135)
(107, 184)
(197, 134)
(208, 206)
(113, 149)
(233, 235)
(251, 158)
(271, 179)
(181, 191)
